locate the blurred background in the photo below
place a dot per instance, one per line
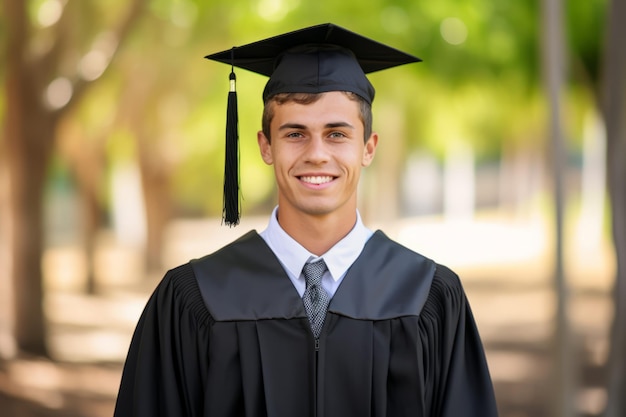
(501, 155)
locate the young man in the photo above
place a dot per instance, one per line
(317, 315)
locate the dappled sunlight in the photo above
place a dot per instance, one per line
(121, 310)
(592, 400)
(36, 381)
(504, 310)
(470, 243)
(92, 329)
(49, 12)
(59, 93)
(47, 388)
(453, 30)
(89, 345)
(516, 366)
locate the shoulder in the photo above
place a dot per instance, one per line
(390, 251)
(448, 285)
(179, 287)
(443, 277)
(387, 281)
(446, 300)
(245, 247)
(398, 260)
(445, 290)
(245, 281)
(447, 280)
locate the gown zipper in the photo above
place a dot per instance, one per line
(316, 365)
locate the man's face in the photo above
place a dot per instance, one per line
(317, 151)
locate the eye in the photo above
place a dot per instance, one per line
(337, 135)
(294, 135)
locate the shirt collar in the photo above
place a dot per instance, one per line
(293, 255)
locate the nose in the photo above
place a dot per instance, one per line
(317, 150)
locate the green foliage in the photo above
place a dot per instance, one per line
(480, 80)
(585, 34)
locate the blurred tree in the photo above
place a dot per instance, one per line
(54, 52)
(554, 71)
(86, 159)
(141, 101)
(599, 64)
(613, 102)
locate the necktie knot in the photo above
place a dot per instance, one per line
(313, 272)
(315, 298)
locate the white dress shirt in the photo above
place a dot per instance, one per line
(293, 255)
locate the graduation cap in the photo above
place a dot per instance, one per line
(315, 59)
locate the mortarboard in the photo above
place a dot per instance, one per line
(315, 59)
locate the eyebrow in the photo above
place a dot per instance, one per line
(291, 126)
(327, 126)
(339, 124)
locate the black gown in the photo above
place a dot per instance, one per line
(227, 335)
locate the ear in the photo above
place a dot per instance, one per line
(265, 147)
(370, 149)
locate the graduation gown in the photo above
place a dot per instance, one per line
(227, 335)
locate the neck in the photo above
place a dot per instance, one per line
(318, 233)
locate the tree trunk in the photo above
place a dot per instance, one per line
(28, 138)
(155, 175)
(614, 103)
(27, 172)
(30, 130)
(86, 157)
(89, 172)
(554, 73)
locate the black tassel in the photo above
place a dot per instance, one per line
(230, 213)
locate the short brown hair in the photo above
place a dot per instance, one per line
(365, 109)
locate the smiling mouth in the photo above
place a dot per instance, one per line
(317, 180)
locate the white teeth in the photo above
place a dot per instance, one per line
(316, 180)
